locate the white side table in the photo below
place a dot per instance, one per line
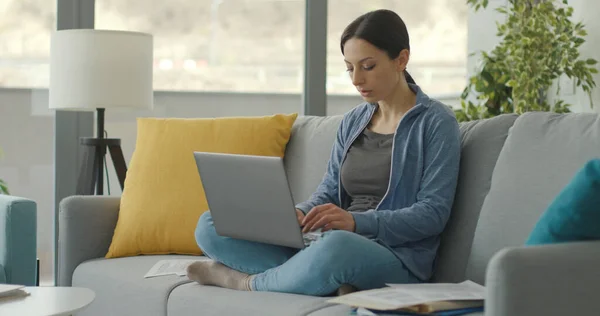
(47, 301)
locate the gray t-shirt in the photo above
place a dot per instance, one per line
(366, 170)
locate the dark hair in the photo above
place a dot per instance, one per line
(384, 29)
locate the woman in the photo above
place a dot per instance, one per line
(386, 195)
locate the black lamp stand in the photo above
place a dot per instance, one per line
(91, 174)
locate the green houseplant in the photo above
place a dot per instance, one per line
(3, 186)
(538, 44)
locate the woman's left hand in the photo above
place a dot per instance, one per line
(328, 216)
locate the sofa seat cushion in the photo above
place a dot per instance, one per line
(198, 300)
(121, 288)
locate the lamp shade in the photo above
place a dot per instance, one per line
(92, 69)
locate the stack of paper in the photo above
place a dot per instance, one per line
(423, 298)
(171, 267)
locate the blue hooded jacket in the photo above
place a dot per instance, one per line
(423, 177)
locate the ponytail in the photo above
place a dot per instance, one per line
(409, 78)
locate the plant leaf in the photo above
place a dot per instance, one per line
(3, 187)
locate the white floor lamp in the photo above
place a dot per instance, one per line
(94, 70)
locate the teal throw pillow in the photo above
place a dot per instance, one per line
(574, 215)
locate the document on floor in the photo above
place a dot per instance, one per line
(171, 267)
(422, 297)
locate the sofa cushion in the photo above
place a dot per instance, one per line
(308, 152)
(121, 288)
(481, 143)
(574, 215)
(163, 195)
(194, 300)
(540, 156)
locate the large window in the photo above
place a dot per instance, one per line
(25, 27)
(26, 136)
(217, 45)
(257, 45)
(438, 40)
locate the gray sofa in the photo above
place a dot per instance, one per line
(511, 168)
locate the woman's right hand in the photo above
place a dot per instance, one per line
(300, 216)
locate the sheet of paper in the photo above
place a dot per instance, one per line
(404, 295)
(171, 267)
(467, 290)
(10, 289)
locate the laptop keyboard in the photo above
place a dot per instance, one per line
(310, 237)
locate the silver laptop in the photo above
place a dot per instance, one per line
(249, 198)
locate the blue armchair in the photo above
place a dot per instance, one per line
(18, 241)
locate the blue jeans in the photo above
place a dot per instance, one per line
(338, 257)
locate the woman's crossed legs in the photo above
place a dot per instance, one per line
(339, 257)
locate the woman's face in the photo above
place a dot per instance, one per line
(373, 73)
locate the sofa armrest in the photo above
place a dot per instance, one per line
(557, 279)
(85, 230)
(18, 240)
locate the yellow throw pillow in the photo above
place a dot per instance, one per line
(163, 195)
